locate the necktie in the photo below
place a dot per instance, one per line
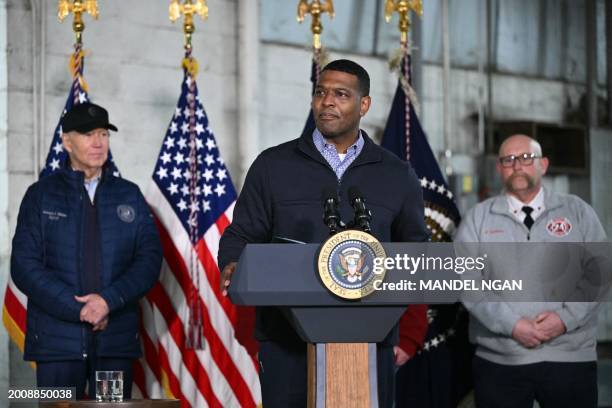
(528, 221)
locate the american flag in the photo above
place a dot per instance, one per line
(15, 302)
(192, 197)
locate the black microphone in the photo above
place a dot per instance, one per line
(331, 216)
(363, 216)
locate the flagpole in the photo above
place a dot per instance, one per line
(189, 8)
(403, 8)
(319, 55)
(446, 68)
(64, 9)
(78, 8)
(316, 8)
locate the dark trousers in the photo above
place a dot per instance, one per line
(283, 371)
(425, 381)
(76, 373)
(552, 384)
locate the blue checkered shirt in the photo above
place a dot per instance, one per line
(330, 153)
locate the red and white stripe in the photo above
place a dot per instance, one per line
(14, 313)
(223, 373)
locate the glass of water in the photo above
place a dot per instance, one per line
(109, 386)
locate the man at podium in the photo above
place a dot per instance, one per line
(281, 197)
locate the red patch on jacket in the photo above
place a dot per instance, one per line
(559, 227)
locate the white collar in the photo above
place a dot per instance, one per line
(515, 205)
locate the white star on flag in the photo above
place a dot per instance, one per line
(176, 173)
(221, 174)
(209, 160)
(220, 190)
(179, 158)
(169, 143)
(207, 190)
(210, 144)
(208, 174)
(166, 157)
(162, 173)
(58, 148)
(173, 188)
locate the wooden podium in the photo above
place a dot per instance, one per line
(342, 334)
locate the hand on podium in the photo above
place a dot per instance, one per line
(226, 276)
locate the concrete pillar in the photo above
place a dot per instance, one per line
(248, 89)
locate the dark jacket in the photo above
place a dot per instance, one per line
(282, 193)
(47, 256)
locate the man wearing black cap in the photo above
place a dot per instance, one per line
(85, 251)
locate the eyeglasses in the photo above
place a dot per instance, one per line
(526, 159)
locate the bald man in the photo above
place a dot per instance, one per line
(528, 351)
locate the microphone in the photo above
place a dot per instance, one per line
(363, 216)
(331, 216)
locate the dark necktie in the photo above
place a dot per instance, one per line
(528, 221)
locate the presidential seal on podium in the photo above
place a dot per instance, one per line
(346, 264)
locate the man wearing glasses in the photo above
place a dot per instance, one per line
(530, 351)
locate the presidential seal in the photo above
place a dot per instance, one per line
(346, 263)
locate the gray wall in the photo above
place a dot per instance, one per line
(4, 206)
(134, 70)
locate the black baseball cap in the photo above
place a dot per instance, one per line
(85, 117)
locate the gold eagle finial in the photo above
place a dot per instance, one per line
(316, 8)
(403, 8)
